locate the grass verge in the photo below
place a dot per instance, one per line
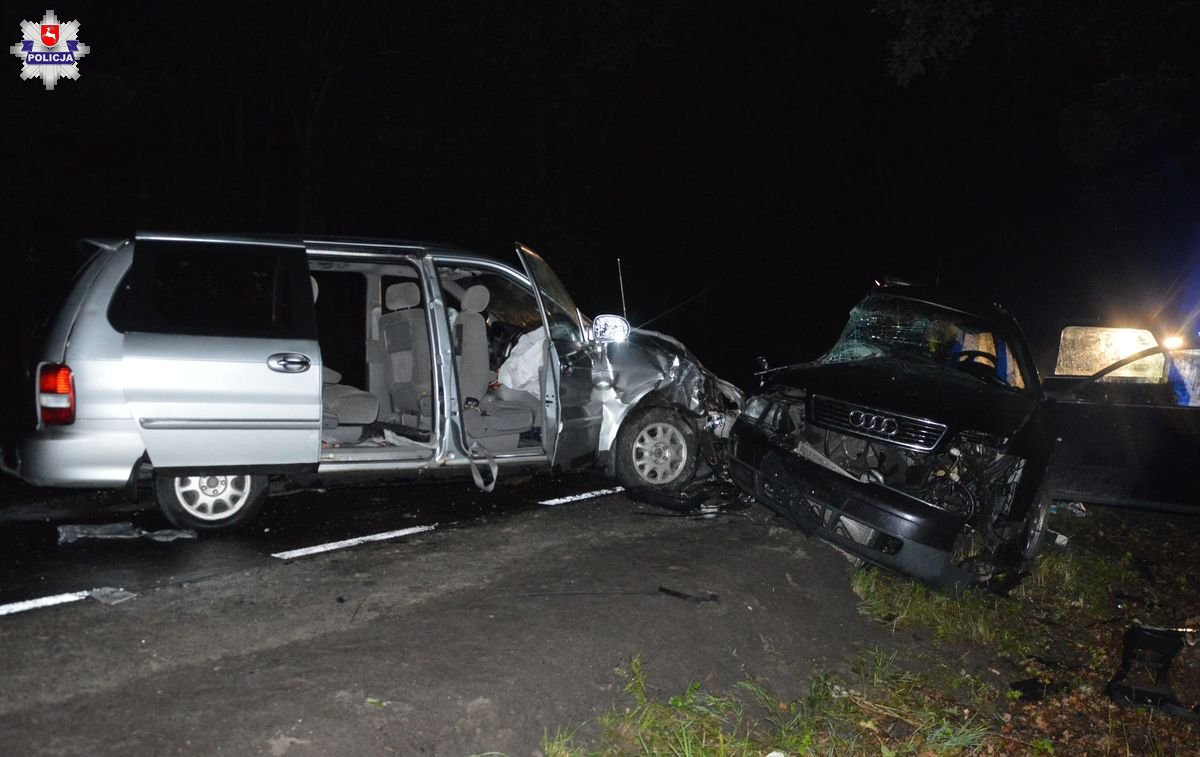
(885, 710)
(1060, 629)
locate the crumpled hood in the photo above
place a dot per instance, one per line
(650, 361)
(915, 388)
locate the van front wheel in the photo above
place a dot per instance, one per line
(210, 502)
(657, 449)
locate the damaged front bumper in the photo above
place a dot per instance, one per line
(909, 536)
(654, 369)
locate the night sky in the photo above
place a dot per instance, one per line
(771, 159)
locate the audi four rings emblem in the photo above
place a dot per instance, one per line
(880, 424)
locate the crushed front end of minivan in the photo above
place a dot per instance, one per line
(648, 372)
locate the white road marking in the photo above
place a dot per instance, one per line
(306, 551)
(578, 497)
(33, 604)
(75, 596)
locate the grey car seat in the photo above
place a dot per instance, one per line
(406, 341)
(344, 409)
(493, 422)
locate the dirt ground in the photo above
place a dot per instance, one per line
(473, 639)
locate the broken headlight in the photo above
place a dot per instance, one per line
(755, 408)
(776, 414)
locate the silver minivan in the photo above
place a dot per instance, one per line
(213, 368)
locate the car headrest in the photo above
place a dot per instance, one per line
(406, 294)
(476, 299)
(313, 280)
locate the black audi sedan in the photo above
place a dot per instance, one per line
(921, 436)
(925, 442)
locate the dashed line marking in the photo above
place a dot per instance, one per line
(33, 604)
(329, 547)
(578, 497)
(75, 596)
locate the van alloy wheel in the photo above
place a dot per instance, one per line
(213, 497)
(210, 501)
(659, 453)
(656, 448)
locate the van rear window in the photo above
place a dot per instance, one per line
(215, 289)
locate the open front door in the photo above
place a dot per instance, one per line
(572, 431)
(1128, 419)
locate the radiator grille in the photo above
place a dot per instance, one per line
(874, 423)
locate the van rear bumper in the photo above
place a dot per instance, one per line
(98, 455)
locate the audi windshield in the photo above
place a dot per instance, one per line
(882, 326)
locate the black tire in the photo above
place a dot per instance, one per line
(210, 502)
(657, 448)
(1033, 534)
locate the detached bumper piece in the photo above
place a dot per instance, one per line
(911, 536)
(1144, 678)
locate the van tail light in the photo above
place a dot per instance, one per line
(56, 394)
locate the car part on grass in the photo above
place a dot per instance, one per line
(124, 530)
(1144, 678)
(1078, 509)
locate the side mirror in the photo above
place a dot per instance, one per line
(610, 328)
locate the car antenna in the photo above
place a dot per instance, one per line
(675, 307)
(621, 284)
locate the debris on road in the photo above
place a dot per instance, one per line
(1078, 509)
(123, 530)
(706, 498)
(707, 596)
(111, 595)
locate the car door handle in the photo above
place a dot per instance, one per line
(289, 362)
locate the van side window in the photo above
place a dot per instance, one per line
(215, 289)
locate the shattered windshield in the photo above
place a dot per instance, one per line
(888, 327)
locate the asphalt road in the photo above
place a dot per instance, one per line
(34, 564)
(503, 624)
